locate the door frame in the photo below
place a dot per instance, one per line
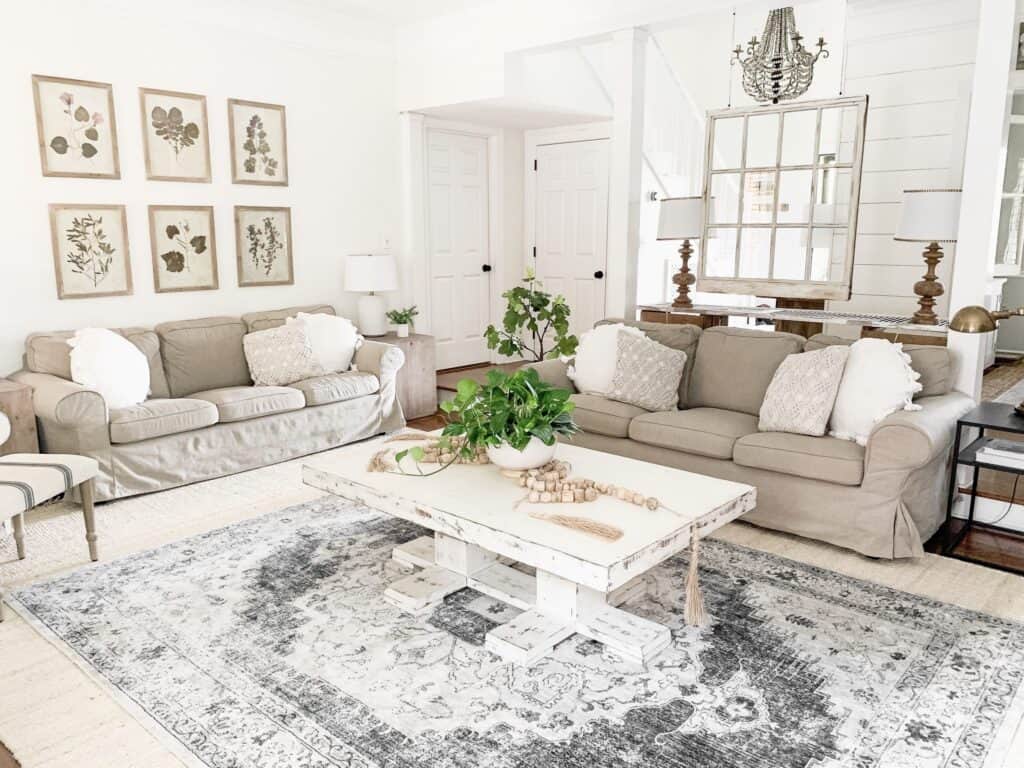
(421, 126)
(533, 139)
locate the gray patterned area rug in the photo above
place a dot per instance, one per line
(268, 644)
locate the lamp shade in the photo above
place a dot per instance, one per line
(371, 272)
(929, 216)
(681, 218)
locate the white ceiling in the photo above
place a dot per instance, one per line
(401, 11)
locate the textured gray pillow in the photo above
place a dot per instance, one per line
(279, 356)
(802, 392)
(647, 373)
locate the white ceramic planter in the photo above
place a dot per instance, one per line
(534, 455)
(402, 331)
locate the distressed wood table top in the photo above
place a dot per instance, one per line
(479, 505)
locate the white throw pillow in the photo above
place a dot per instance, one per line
(280, 356)
(877, 381)
(647, 374)
(110, 364)
(593, 368)
(334, 339)
(803, 392)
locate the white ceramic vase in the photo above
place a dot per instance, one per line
(534, 455)
(402, 331)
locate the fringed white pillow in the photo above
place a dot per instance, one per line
(877, 381)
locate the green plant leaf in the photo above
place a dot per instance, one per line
(417, 453)
(466, 388)
(82, 115)
(59, 145)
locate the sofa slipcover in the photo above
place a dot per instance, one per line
(243, 403)
(816, 458)
(337, 387)
(261, 321)
(158, 417)
(704, 431)
(602, 416)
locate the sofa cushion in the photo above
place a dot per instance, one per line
(932, 361)
(202, 354)
(602, 416)
(679, 336)
(242, 403)
(261, 321)
(702, 431)
(816, 458)
(159, 417)
(335, 387)
(49, 353)
(734, 367)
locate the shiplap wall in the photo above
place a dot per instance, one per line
(914, 60)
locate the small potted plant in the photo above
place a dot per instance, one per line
(402, 319)
(517, 418)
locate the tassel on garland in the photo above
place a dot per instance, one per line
(695, 615)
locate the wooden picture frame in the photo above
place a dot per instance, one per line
(70, 150)
(177, 251)
(264, 254)
(73, 277)
(175, 150)
(265, 161)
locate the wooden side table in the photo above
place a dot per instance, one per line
(16, 404)
(417, 381)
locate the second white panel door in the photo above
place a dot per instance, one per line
(457, 237)
(572, 226)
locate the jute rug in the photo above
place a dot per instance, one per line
(266, 643)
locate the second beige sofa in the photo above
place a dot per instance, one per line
(883, 500)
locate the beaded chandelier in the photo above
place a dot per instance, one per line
(778, 67)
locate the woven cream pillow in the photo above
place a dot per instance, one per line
(647, 373)
(802, 392)
(281, 355)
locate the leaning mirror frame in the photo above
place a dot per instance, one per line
(758, 167)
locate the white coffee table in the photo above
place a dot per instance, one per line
(481, 526)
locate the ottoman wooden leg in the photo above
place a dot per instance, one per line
(90, 518)
(19, 534)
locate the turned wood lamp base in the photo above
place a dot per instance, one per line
(928, 288)
(684, 278)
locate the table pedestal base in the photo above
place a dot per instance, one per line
(553, 608)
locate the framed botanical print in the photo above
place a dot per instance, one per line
(184, 248)
(263, 244)
(259, 143)
(177, 141)
(90, 250)
(76, 128)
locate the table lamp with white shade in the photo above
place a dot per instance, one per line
(682, 218)
(929, 216)
(371, 273)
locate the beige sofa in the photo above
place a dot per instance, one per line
(882, 500)
(204, 418)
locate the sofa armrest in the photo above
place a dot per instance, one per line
(64, 402)
(553, 372)
(907, 440)
(382, 360)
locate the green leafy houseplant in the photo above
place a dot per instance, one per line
(402, 316)
(530, 315)
(510, 409)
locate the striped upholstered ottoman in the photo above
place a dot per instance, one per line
(28, 479)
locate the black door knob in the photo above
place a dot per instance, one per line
(599, 274)
(486, 267)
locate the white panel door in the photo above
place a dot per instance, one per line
(457, 239)
(572, 226)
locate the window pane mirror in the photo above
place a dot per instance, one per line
(780, 197)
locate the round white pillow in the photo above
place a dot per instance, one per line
(110, 364)
(334, 339)
(877, 381)
(593, 368)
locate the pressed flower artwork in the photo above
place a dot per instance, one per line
(176, 136)
(90, 250)
(76, 128)
(263, 243)
(184, 248)
(259, 145)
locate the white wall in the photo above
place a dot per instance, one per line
(336, 77)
